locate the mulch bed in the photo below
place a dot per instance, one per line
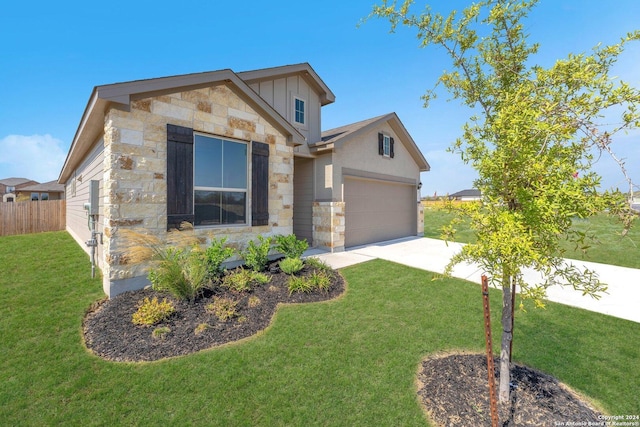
(110, 333)
(454, 391)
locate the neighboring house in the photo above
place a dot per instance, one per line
(47, 191)
(9, 187)
(466, 195)
(237, 155)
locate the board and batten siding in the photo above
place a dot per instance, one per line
(91, 168)
(279, 92)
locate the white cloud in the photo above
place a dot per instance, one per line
(37, 157)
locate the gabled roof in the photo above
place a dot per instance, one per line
(472, 192)
(92, 122)
(335, 137)
(46, 187)
(12, 182)
(303, 69)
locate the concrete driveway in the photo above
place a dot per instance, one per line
(621, 300)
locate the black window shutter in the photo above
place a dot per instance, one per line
(391, 148)
(179, 176)
(259, 183)
(381, 144)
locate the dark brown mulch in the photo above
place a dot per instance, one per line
(110, 333)
(454, 391)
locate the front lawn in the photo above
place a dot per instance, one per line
(351, 361)
(609, 248)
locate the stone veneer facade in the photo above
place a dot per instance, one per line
(135, 187)
(329, 225)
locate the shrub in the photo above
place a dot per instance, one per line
(290, 246)
(291, 265)
(256, 256)
(181, 272)
(215, 255)
(222, 308)
(317, 264)
(241, 280)
(299, 284)
(320, 280)
(151, 312)
(159, 333)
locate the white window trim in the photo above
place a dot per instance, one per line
(304, 125)
(386, 145)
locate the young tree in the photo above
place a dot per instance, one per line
(532, 141)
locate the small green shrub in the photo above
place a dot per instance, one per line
(290, 246)
(299, 284)
(160, 332)
(215, 255)
(254, 301)
(180, 271)
(291, 265)
(320, 280)
(222, 308)
(256, 256)
(317, 264)
(242, 280)
(151, 312)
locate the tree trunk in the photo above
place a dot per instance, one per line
(507, 336)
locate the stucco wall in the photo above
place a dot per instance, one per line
(361, 153)
(135, 167)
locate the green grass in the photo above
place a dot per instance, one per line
(347, 362)
(610, 247)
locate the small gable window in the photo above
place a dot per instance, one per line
(299, 110)
(385, 145)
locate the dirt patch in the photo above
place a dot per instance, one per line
(110, 333)
(454, 391)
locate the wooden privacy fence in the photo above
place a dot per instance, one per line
(32, 217)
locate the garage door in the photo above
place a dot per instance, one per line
(378, 210)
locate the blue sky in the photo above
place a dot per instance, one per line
(52, 54)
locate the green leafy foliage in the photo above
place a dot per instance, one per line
(242, 280)
(299, 284)
(317, 264)
(256, 254)
(290, 246)
(320, 280)
(215, 255)
(223, 308)
(532, 142)
(151, 311)
(291, 265)
(181, 272)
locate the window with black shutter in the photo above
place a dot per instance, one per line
(207, 179)
(385, 145)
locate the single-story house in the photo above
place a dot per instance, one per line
(236, 155)
(8, 187)
(46, 191)
(466, 195)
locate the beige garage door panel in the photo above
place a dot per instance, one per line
(378, 211)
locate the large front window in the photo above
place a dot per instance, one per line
(220, 181)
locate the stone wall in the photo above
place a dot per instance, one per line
(329, 225)
(135, 187)
(420, 220)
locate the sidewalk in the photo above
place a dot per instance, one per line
(621, 300)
